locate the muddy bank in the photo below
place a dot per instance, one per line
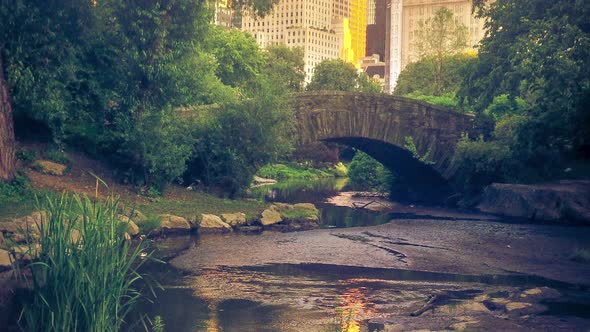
(451, 271)
(450, 245)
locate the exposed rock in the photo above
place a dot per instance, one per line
(464, 323)
(26, 252)
(9, 227)
(75, 236)
(524, 308)
(18, 237)
(234, 219)
(517, 306)
(5, 262)
(563, 200)
(256, 180)
(212, 223)
(308, 206)
(2, 241)
(134, 214)
(270, 217)
(49, 167)
(173, 224)
(540, 293)
(132, 228)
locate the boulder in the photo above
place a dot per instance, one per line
(5, 262)
(540, 293)
(307, 206)
(212, 223)
(134, 214)
(132, 228)
(257, 180)
(563, 200)
(270, 217)
(234, 219)
(49, 167)
(173, 224)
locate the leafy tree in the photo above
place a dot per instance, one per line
(417, 77)
(367, 173)
(538, 51)
(285, 65)
(239, 59)
(337, 75)
(437, 38)
(233, 142)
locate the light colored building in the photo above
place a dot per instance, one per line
(223, 15)
(374, 68)
(403, 17)
(298, 23)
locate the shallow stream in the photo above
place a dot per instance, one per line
(305, 282)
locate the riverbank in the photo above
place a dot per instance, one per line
(479, 267)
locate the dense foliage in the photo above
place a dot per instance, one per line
(437, 38)
(366, 173)
(111, 76)
(417, 78)
(87, 274)
(532, 78)
(337, 75)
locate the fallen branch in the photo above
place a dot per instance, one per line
(354, 205)
(426, 307)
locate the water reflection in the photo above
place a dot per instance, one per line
(318, 192)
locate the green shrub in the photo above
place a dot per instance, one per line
(446, 100)
(340, 170)
(505, 105)
(149, 224)
(367, 173)
(283, 172)
(57, 155)
(26, 155)
(86, 273)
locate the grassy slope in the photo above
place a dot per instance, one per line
(16, 201)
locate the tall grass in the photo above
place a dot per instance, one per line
(85, 276)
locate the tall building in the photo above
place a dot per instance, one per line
(223, 15)
(376, 30)
(358, 28)
(298, 23)
(371, 12)
(355, 11)
(403, 17)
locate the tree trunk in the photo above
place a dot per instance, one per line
(7, 141)
(439, 74)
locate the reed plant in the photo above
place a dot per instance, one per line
(85, 275)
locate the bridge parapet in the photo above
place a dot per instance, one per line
(328, 115)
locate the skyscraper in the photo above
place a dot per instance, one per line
(376, 30)
(298, 23)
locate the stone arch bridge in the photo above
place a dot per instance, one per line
(379, 124)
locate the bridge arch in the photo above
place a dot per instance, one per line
(379, 124)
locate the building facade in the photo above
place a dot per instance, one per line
(352, 14)
(376, 30)
(298, 23)
(403, 17)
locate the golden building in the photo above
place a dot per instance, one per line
(355, 11)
